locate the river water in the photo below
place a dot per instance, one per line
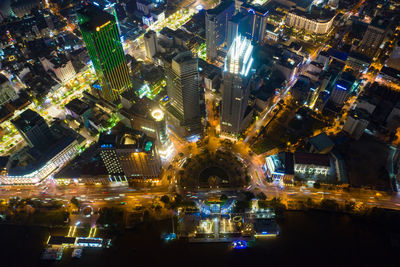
(306, 239)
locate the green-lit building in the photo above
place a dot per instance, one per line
(100, 34)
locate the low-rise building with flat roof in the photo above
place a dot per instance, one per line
(320, 144)
(131, 154)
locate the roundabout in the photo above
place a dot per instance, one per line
(220, 169)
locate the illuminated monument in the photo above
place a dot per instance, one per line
(235, 113)
(100, 34)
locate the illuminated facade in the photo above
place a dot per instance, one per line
(132, 154)
(100, 34)
(34, 174)
(60, 66)
(285, 165)
(235, 112)
(279, 167)
(310, 22)
(311, 165)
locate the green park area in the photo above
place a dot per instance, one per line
(291, 125)
(34, 212)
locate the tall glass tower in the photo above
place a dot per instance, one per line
(100, 34)
(182, 75)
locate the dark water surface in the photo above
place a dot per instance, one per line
(306, 239)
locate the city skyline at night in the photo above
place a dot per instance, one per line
(210, 133)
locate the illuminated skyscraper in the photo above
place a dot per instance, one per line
(107, 6)
(100, 34)
(235, 113)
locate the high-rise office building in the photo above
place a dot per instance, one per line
(131, 154)
(108, 7)
(34, 129)
(100, 34)
(255, 22)
(216, 26)
(150, 43)
(235, 113)
(184, 93)
(250, 22)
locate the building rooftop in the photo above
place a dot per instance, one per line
(360, 114)
(304, 4)
(220, 8)
(40, 158)
(238, 17)
(88, 163)
(27, 120)
(90, 17)
(337, 54)
(77, 106)
(183, 56)
(380, 22)
(257, 10)
(316, 14)
(360, 57)
(59, 240)
(321, 142)
(390, 72)
(127, 139)
(239, 58)
(311, 159)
